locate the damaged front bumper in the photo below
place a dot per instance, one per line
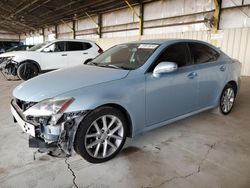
(9, 67)
(49, 133)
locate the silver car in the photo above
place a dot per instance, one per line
(129, 89)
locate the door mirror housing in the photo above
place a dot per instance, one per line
(46, 50)
(165, 67)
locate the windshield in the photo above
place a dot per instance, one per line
(125, 56)
(17, 48)
(38, 46)
(12, 49)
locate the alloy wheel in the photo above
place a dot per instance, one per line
(227, 100)
(104, 136)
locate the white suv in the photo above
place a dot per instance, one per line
(49, 56)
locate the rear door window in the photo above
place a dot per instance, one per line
(202, 53)
(74, 46)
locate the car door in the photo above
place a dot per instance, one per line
(54, 56)
(78, 52)
(172, 94)
(211, 70)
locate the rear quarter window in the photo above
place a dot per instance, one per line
(86, 45)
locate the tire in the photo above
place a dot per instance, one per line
(227, 99)
(92, 147)
(27, 70)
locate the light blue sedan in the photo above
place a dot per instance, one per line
(129, 89)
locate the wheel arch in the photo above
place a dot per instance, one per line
(33, 62)
(126, 114)
(234, 84)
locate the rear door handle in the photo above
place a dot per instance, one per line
(192, 75)
(222, 68)
(85, 53)
(64, 54)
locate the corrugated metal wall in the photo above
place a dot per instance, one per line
(122, 25)
(236, 44)
(8, 36)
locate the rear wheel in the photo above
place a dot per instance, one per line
(101, 135)
(227, 99)
(27, 70)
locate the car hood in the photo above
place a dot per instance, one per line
(7, 54)
(15, 53)
(64, 80)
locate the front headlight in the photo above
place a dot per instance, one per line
(7, 59)
(49, 107)
(3, 59)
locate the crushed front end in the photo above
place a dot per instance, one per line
(49, 132)
(8, 66)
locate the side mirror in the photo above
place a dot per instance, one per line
(164, 67)
(46, 50)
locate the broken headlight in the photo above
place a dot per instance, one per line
(9, 58)
(6, 59)
(49, 107)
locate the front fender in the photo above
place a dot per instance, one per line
(128, 93)
(27, 56)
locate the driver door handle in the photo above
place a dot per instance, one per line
(192, 75)
(64, 54)
(222, 68)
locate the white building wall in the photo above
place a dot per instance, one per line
(164, 9)
(4, 35)
(235, 18)
(49, 32)
(122, 25)
(86, 23)
(119, 17)
(64, 31)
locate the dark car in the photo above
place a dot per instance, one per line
(5, 45)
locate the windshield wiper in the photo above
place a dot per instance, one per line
(126, 68)
(92, 63)
(113, 66)
(103, 65)
(108, 65)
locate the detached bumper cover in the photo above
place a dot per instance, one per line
(40, 132)
(26, 127)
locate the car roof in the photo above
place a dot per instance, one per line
(73, 40)
(170, 41)
(162, 41)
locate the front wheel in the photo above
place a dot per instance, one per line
(26, 71)
(101, 135)
(227, 99)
